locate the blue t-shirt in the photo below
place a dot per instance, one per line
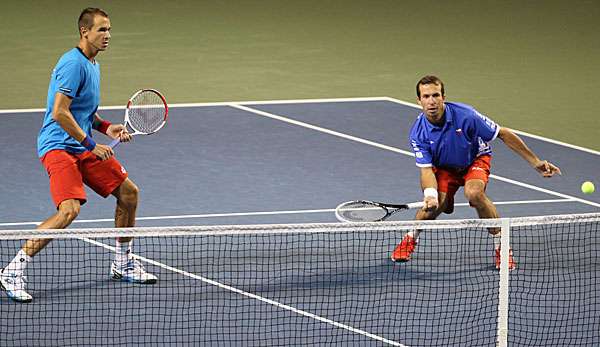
(79, 79)
(462, 138)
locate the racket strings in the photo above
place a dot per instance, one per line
(361, 212)
(146, 112)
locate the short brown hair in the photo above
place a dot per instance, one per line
(86, 18)
(430, 79)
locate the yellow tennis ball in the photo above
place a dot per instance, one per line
(587, 187)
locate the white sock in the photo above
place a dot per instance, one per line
(414, 233)
(123, 252)
(496, 239)
(18, 264)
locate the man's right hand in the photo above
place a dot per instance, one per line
(430, 203)
(103, 151)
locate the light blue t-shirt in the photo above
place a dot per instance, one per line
(458, 142)
(78, 78)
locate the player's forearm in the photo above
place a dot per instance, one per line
(429, 186)
(61, 113)
(65, 119)
(516, 144)
(97, 120)
(100, 124)
(428, 179)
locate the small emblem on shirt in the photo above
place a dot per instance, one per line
(459, 131)
(66, 90)
(415, 147)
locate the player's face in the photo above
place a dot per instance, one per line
(432, 102)
(98, 35)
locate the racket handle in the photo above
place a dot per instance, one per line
(417, 204)
(114, 143)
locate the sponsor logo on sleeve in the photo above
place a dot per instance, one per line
(490, 123)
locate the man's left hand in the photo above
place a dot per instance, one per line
(118, 131)
(546, 168)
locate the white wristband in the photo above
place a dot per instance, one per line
(430, 192)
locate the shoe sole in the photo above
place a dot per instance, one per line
(509, 269)
(13, 298)
(21, 301)
(399, 260)
(128, 280)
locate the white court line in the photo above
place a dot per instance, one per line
(254, 296)
(272, 213)
(225, 103)
(398, 150)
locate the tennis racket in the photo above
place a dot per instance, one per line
(145, 114)
(370, 211)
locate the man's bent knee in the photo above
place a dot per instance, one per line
(128, 194)
(475, 197)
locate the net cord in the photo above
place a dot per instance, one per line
(256, 229)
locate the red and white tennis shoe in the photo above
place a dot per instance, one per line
(403, 251)
(512, 264)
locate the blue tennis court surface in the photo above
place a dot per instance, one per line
(273, 163)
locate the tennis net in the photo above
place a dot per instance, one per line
(314, 284)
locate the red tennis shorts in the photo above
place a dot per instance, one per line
(449, 180)
(69, 171)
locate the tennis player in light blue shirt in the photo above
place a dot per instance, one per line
(451, 146)
(72, 158)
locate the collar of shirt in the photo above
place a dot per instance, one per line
(449, 118)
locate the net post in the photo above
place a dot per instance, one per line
(502, 334)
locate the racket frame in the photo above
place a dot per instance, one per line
(127, 122)
(389, 209)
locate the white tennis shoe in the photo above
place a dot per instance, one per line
(133, 271)
(14, 285)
